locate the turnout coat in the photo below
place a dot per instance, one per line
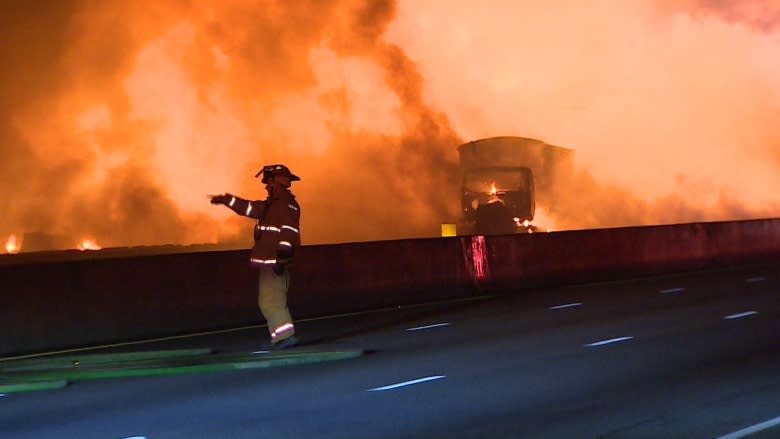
(277, 232)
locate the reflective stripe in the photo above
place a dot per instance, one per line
(263, 261)
(285, 243)
(292, 207)
(277, 229)
(282, 329)
(248, 208)
(232, 201)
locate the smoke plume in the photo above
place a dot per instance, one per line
(669, 105)
(122, 117)
(117, 118)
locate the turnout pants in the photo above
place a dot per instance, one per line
(272, 299)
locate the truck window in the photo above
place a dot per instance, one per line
(479, 180)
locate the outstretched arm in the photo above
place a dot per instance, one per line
(252, 209)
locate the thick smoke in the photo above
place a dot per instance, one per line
(119, 117)
(122, 117)
(669, 105)
(761, 15)
(73, 163)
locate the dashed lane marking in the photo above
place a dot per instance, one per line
(756, 279)
(610, 341)
(752, 429)
(568, 305)
(407, 383)
(420, 328)
(672, 290)
(740, 315)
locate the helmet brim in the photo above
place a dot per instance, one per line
(265, 178)
(271, 170)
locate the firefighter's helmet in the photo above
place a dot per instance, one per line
(274, 170)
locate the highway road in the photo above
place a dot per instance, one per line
(688, 355)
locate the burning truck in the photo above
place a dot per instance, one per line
(503, 180)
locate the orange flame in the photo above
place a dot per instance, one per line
(12, 245)
(493, 190)
(88, 244)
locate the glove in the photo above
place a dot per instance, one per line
(220, 199)
(279, 268)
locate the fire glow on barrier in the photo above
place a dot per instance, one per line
(88, 244)
(12, 244)
(479, 257)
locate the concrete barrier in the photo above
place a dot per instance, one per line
(69, 299)
(56, 305)
(341, 278)
(594, 255)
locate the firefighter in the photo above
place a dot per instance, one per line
(277, 237)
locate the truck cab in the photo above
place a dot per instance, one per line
(513, 186)
(522, 174)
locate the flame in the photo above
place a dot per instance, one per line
(88, 244)
(493, 190)
(12, 244)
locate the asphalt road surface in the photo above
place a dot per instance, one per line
(693, 355)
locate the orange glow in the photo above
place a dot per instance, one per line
(493, 190)
(88, 244)
(670, 106)
(641, 86)
(543, 220)
(12, 245)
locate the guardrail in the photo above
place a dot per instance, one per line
(67, 300)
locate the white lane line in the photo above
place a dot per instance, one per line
(2, 395)
(407, 383)
(135, 437)
(756, 279)
(672, 290)
(740, 315)
(261, 352)
(437, 325)
(568, 305)
(752, 429)
(611, 340)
